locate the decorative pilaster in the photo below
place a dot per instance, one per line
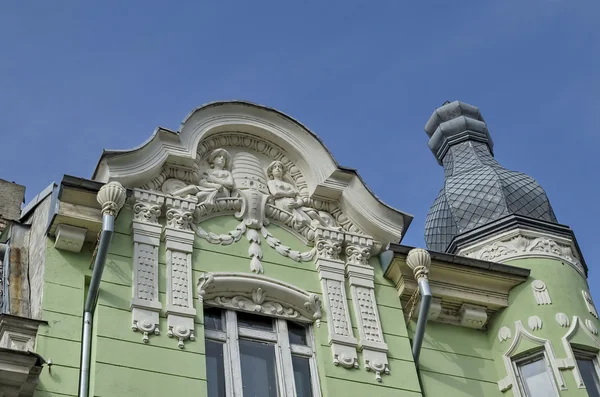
(179, 240)
(145, 305)
(360, 275)
(331, 273)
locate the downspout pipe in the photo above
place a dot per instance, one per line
(111, 197)
(419, 261)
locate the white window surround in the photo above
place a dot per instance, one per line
(576, 324)
(511, 380)
(531, 358)
(283, 354)
(259, 294)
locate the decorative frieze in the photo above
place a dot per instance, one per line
(331, 273)
(521, 243)
(179, 241)
(360, 276)
(145, 304)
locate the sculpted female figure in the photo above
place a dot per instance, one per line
(288, 198)
(215, 182)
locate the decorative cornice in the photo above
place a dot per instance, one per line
(522, 243)
(457, 284)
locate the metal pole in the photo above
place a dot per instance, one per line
(422, 321)
(90, 302)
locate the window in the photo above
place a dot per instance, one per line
(256, 356)
(588, 368)
(535, 376)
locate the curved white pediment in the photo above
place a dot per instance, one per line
(267, 135)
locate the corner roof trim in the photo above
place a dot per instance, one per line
(326, 179)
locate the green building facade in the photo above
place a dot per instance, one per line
(235, 257)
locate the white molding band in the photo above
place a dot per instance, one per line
(145, 304)
(523, 243)
(360, 276)
(331, 273)
(179, 242)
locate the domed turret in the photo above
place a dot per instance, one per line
(477, 190)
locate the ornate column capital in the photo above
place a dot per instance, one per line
(147, 206)
(180, 212)
(329, 243)
(358, 249)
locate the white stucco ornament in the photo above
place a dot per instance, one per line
(562, 319)
(540, 292)
(111, 197)
(259, 165)
(504, 333)
(419, 261)
(534, 323)
(591, 326)
(589, 303)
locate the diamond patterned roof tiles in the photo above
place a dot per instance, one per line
(477, 189)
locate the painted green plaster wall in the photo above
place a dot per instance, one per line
(564, 285)
(456, 361)
(124, 366)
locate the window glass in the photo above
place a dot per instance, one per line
(297, 333)
(589, 375)
(536, 379)
(213, 318)
(255, 322)
(215, 371)
(302, 376)
(259, 376)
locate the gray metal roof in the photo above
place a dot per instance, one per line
(477, 190)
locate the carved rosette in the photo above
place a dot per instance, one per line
(179, 240)
(145, 305)
(331, 273)
(360, 275)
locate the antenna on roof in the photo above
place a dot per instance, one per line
(445, 103)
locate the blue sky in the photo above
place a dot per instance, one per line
(77, 77)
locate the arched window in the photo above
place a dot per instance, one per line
(259, 338)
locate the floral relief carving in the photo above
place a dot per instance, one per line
(329, 249)
(256, 303)
(524, 244)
